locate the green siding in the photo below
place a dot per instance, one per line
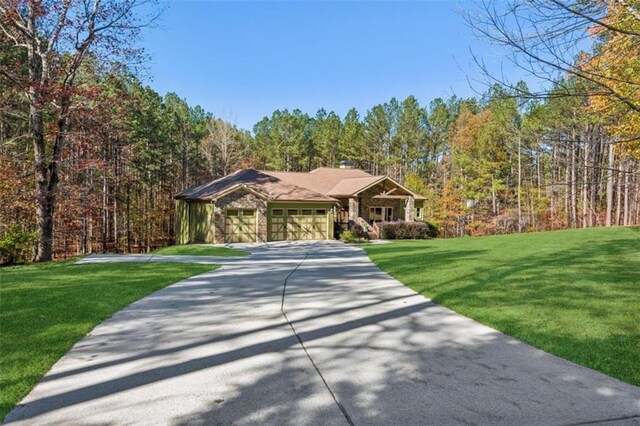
(182, 222)
(201, 222)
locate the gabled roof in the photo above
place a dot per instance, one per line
(259, 183)
(320, 180)
(353, 185)
(322, 184)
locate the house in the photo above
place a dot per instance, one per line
(253, 205)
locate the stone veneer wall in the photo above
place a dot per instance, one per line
(367, 200)
(409, 210)
(353, 211)
(240, 199)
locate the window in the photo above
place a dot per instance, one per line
(321, 212)
(292, 212)
(232, 212)
(248, 212)
(278, 212)
(418, 212)
(307, 212)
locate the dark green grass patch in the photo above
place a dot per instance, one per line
(46, 308)
(572, 293)
(199, 250)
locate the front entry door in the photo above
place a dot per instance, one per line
(388, 214)
(377, 214)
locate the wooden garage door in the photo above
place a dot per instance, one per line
(278, 225)
(240, 226)
(298, 224)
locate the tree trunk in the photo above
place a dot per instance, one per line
(567, 186)
(129, 217)
(105, 207)
(626, 196)
(574, 184)
(585, 185)
(610, 185)
(115, 201)
(552, 198)
(616, 220)
(519, 184)
(46, 181)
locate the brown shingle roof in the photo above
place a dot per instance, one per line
(271, 187)
(320, 180)
(350, 186)
(322, 184)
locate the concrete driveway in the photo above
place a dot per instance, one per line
(360, 349)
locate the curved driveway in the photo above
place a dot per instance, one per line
(216, 349)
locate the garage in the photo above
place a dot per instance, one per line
(240, 226)
(298, 224)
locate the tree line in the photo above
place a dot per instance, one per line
(91, 157)
(492, 164)
(129, 151)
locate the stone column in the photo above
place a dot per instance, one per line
(218, 221)
(354, 208)
(409, 209)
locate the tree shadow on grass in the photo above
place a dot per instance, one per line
(389, 356)
(582, 302)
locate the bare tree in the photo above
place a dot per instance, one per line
(59, 36)
(222, 146)
(548, 38)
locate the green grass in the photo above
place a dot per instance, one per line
(199, 250)
(46, 308)
(573, 293)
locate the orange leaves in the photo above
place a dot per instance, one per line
(468, 127)
(616, 62)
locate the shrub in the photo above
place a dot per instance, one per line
(17, 246)
(349, 237)
(359, 231)
(479, 228)
(434, 229)
(407, 230)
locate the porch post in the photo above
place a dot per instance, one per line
(354, 208)
(409, 210)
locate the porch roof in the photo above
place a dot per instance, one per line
(349, 187)
(391, 197)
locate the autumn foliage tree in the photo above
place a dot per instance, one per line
(56, 38)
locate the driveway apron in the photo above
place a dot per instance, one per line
(360, 348)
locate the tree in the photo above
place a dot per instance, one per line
(325, 135)
(222, 147)
(593, 41)
(352, 142)
(409, 144)
(377, 138)
(58, 38)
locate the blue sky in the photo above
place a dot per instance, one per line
(242, 60)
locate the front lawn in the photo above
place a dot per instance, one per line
(45, 308)
(199, 250)
(572, 293)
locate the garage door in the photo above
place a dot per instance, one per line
(240, 226)
(298, 224)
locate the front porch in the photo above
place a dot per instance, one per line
(383, 202)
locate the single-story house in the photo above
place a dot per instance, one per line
(256, 205)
